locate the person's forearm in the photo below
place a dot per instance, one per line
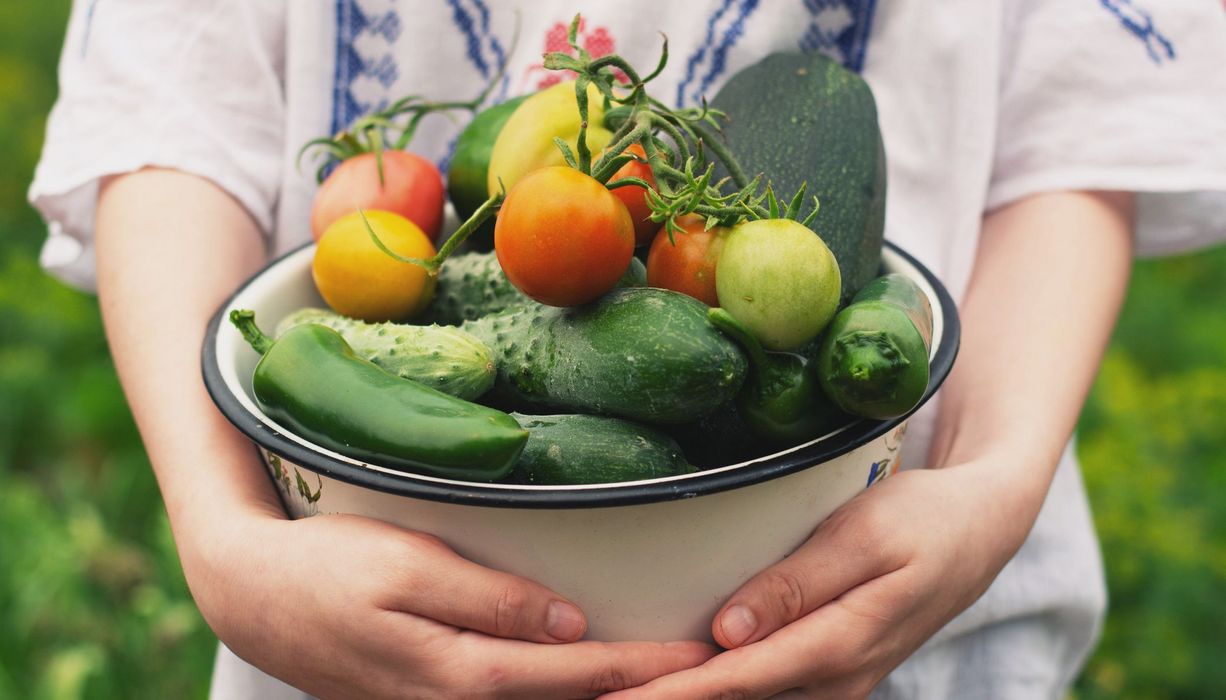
(1049, 278)
(170, 248)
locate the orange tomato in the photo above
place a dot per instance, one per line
(687, 263)
(412, 187)
(562, 237)
(357, 279)
(635, 197)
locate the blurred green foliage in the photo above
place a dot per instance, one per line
(1153, 450)
(93, 605)
(92, 601)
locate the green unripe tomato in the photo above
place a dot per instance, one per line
(778, 279)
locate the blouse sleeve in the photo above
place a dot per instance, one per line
(192, 85)
(1123, 95)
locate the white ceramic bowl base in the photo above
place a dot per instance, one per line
(648, 560)
(655, 571)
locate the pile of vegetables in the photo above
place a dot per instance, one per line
(534, 345)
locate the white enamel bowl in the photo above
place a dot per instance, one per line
(646, 560)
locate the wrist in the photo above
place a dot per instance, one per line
(1010, 486)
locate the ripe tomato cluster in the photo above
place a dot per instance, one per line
(561, 236)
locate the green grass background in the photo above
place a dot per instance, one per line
(93, 605)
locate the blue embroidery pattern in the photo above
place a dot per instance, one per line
(479, 41)
(379, 64)
(716, 58)
(89, 25)
(484, 51)
(1141, 23)
(839, 29)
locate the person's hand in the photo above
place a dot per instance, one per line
(348, 607)
(892, 566)
(875, 580)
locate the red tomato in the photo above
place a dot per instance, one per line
(687, 263)
(412, 187)
(635, 197)
(562, 237)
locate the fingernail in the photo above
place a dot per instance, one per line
(564, 622)
(738, 624)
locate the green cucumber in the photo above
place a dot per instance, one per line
(803, 118)
(443, 358)
(583, 449)
(781, 401)
(720, 439)
(472, 285)
(468, 169)
(640, 353)
(873, 361)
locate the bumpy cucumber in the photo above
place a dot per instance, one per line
(443, 358)
(873, 361)
(583, 449)
(640, 353)
(472, 285)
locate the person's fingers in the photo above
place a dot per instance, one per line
(839, 651)
(850, 547)
(428, 579)
(579, 670)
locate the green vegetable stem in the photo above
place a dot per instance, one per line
(781, 400)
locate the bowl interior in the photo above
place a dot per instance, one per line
(285, 285)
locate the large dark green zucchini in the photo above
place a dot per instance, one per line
(804, 118)
(582, 449)
(640, 353)
(472, 285)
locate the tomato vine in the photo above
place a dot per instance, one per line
(676, 143)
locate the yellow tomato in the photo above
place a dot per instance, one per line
(359, 280)
(526, 143)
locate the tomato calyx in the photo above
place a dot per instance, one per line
(378, 131)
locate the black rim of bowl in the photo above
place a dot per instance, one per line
(765, 468)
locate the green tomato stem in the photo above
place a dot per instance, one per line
(713, 142)
(606, 165)
(487, 209)
(728, 325)
(432, 265)
(585, 154)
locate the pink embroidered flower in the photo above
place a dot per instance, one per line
(598, 42)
